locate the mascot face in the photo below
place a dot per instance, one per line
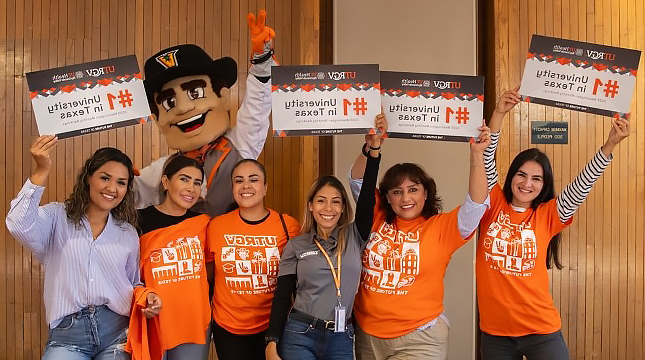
(191, 114)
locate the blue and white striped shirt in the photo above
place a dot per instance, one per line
(79, 271)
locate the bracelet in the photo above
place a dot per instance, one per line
(375, 148)
(263, 58)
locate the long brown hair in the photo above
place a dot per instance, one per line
(78, 202)
(309, 223)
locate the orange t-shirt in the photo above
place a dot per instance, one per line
(512, 279)
(246, 268)
(403, 268)
(172, 266)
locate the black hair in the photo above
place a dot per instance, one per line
(547, 193)
(254, 162)
(395, 175)
(177, 162)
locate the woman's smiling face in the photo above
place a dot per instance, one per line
(527, 183)
(408, 199)
(326, 209)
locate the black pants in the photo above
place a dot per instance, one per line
(534, 347)
(231, 346)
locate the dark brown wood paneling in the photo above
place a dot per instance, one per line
(40, 34)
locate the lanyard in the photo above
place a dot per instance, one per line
(331, 266)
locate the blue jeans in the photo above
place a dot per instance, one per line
(534, 347)
(303, 342)
(190, 350)
(95, 332)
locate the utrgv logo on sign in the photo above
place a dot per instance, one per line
(447, 84)
(100, 71)
(340, 75)
(597, 55)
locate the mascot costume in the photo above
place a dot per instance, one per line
(190, 98)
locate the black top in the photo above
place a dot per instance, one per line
(152, 219)
(256, 222)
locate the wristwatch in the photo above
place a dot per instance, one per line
(268, 339)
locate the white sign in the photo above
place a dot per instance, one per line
(325, 99)
(580, 76)
(432, 106)
(86, 98)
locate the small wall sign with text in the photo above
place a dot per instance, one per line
(544, 132)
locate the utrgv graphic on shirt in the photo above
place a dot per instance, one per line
(510, 248)
(324, 99)
(85, 98)
(580, 76)
(432, 106)
(391, 260)
(180, 260)
(250, 263)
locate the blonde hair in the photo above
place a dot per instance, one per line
(309, 223)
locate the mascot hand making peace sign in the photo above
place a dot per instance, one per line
(190, 99)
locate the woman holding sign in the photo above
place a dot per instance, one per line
(399, 306)
(90, 250)
(519, 242)
(322, 267)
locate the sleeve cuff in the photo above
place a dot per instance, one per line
(355, 185)
(603, 158)
(469, 215)
(31, 188)
(469, 203)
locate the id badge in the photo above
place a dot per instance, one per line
(339, 318)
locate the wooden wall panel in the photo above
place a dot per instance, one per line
(600, 292)
(326, 143)
(40, 34)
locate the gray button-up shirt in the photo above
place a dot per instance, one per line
(316, 294)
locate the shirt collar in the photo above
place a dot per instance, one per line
(108, 225)
(329, 243)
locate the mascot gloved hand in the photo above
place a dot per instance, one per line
(190, 99)
(262, 45)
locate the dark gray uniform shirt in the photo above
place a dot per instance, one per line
(305, 270)
(316, 293)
